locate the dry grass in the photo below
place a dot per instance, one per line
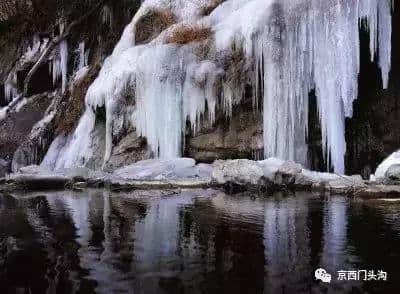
(210, 6)
(187, 33)
(166, 17)
(74, 104)
(152, 24)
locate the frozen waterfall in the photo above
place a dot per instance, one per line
(290, 46)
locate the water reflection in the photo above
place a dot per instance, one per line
(194, 241)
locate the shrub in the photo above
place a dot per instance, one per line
(74, 103)
(152, 24)
(185, 34)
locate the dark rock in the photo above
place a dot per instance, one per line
(129, 150)
(39, 182)
(16, 127)
(241, 137)
(4, 167)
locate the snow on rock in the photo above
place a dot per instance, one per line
(238, 171)
(276, 172)
(289, 48)
(159, 169)
(393, 159)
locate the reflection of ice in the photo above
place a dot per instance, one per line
(156, 236)
(82, 209)
(286, 242)
(335, 234)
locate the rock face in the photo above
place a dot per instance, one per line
(241, 137)
(372, 133)
(129, 150)
(16, 126)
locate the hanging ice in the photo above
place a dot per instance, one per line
(290, 47)
(59, 65)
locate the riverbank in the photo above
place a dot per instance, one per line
(231, 175)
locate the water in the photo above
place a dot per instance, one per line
(195, 241)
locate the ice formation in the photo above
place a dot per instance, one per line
(290, 47)
(59, 65)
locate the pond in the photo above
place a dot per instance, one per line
(194, 241)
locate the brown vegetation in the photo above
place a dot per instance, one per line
(210, 6)
(74, 104)
(152, 24)
(185, 34)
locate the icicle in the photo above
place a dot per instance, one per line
(293, 47)
(11, 87)
(64, 63)
(303, 45)
(107, 16)
(83, 56)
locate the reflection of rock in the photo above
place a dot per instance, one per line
(379, 191)
(39, 182)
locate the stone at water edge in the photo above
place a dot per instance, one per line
(392, 175)
(165, 169)
(239, 171)
(381, 170)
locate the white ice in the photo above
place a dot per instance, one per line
(291, 47)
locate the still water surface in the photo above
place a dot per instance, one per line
(195, 241)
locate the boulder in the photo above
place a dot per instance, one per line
(271, 166)
(164, 169)
(346, 184)
(240, 172)
(77, 174)
(392, 175)
(309, 178)
(287, 173)
(380, 173)
(34, 170)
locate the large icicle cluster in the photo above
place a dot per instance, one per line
(290, 47)
(303, 45)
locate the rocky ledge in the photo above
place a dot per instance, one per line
(233, 175)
